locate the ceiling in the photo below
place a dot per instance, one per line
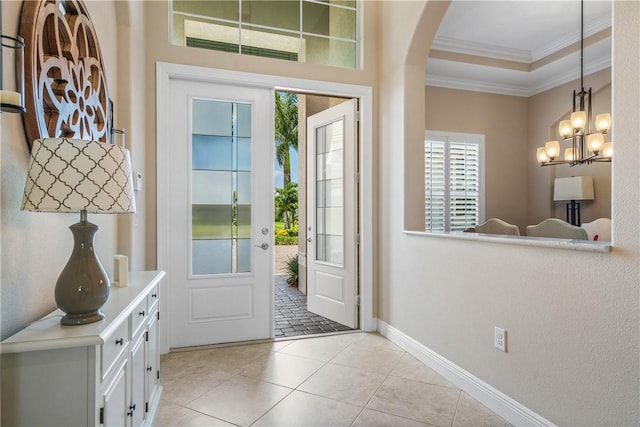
(518, 47)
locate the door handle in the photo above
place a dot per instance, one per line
(263, 246)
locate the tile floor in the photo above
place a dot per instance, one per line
(291, 315)
(354, 379)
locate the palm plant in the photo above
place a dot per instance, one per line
(286, 203)
(286, 130)
(292, 270)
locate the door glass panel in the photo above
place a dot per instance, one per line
(221, 194)
(211, 187)
(243, 188)
(329, 193)
(211, 256)
(211, 152)
(211, 222)
(212, 117)
(244, 255)
(244, 121)
(244, 154)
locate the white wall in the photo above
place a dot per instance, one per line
(572, 317)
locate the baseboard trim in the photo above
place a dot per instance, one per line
(512, 411)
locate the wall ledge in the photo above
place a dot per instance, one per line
(542, 242)
(503, 405)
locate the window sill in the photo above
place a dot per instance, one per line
(543, 242)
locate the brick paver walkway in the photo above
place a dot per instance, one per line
(292, 317)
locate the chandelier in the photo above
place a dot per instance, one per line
(587, 145)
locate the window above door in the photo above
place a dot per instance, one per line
(319, 32)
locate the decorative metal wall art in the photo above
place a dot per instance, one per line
(66, 86)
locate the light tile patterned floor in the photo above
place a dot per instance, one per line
(356, 379)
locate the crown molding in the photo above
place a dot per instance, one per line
(476, 86)
(513, 89)
(569, 76)
(590, 28)
(468, 47)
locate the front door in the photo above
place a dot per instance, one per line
(331, 214)
(220, 218)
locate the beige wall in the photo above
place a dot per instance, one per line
(160, 50)
(502, 120)
(36, 246)
(571, 316)
(130, 116)
(517, 190)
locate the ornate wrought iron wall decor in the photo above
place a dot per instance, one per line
(66, 86)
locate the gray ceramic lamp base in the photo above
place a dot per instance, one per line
(83, 285)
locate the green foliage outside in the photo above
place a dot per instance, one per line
(286, 198)
(286, 236)
(286, 131)
(286, 204)
(292, 270)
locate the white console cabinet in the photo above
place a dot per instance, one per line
(101, 374)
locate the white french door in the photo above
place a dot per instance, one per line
(331, 214)
(220, 214)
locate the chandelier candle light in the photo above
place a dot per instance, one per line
(587, 145)
(72, 175)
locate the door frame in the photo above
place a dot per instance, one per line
(167, 71)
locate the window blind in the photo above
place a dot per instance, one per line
(452, 183)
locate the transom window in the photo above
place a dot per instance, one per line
(453, 181)
(315, 31)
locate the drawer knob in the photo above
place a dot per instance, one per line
(132, 407)
(120, 341)
(141, 313)
(149, 369)
(154, 295)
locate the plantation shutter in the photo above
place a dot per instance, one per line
(452, 182)
(435, 186)
(464, 185)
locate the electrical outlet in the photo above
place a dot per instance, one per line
(500, 339)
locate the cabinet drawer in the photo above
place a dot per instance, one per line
(153, 298)
(138, 316)
(113, 347)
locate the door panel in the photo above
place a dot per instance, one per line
(221, 214)
(331, 203)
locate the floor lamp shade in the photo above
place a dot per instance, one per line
(69, 175)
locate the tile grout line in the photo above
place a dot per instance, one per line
(378, 388)
(324, 363)
(204, 413)
(455, 412)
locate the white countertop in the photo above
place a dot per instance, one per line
(47, 333)
(543, 242)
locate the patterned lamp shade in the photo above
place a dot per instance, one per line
(72, 175)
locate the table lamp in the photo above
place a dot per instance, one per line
(72, 175)
(573, 188)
